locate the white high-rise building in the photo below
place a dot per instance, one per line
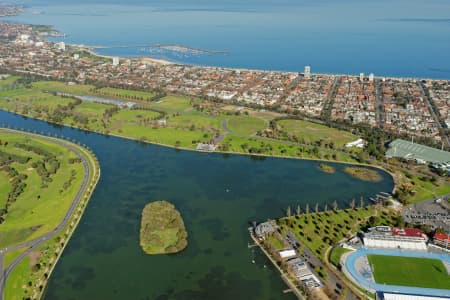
(361, 76)
(61, 46)
(371, 77)
(115, 61)
(307, 72)
(76, 56)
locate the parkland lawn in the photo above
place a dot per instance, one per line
(38, 209)
(409, 271)
(312, 132)
(183, 125)
(40, 206)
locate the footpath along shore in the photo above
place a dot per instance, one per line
(72, 216)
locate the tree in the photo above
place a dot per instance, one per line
(299, 210)
(288, 212)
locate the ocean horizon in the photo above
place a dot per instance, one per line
(388, 38)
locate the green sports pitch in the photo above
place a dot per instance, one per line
(409, 271)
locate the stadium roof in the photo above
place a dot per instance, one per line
(400, 296)
(441, 236)
(411, 232)
(408, 150)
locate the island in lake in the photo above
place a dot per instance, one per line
(364, 174)
(327, 168)
(162, 229)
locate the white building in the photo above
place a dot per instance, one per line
(76, 56)
(359, 143)
(307, 72)
(61, 46)
(361, 76)
(371, 77)
(115, 61)
(286, 254)
(387, 237)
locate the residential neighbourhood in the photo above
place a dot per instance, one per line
(403, 106)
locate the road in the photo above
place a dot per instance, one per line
(328, 105)
(331, 281)
(433, 113)
(35, 243)
(379, 99)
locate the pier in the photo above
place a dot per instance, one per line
(292, 287)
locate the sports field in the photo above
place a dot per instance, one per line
(409, 271)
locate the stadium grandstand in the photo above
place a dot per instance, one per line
(400, 296)
(441, 240)
(387, 237)
(412, 151)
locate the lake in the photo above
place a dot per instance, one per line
(218, 197)
(405, 38)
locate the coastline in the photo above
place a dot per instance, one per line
(158, 61)
(144, 59)
(222, 152)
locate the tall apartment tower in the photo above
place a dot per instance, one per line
(61, 46)
(361, 76)
(371, 77)
(307, 72)
(115, 61)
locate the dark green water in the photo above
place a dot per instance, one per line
(217, 196)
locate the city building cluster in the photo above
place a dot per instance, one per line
(440, 95)
(9, 11)
(355, 100)
(399, 105)
(407, 111)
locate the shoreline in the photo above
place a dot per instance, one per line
(72, 221)
(160, 61)
(91, 49)
(220, 152)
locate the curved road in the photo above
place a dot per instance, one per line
(35, 243)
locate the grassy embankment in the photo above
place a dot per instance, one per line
(188, 121)
(162, 229)
(409, 271)
(40, 207)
